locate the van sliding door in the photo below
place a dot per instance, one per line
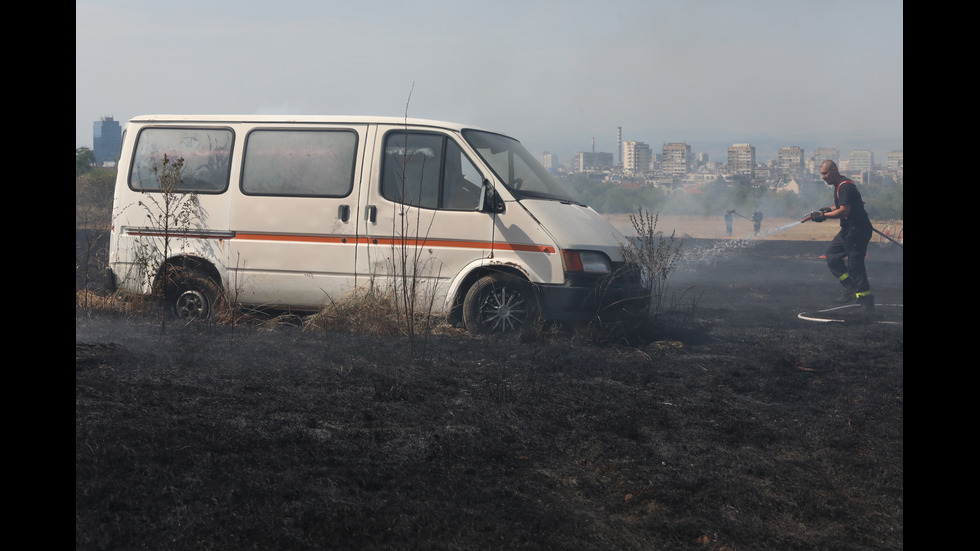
(295, 219)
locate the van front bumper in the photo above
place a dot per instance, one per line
(587, 299)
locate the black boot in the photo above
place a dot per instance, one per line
(867, 301)
(848, 295)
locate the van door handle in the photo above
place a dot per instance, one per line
(343, 213)
(371, 213)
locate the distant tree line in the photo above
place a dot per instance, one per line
(93, 189)
(84, 160)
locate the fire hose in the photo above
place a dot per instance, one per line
(819, 213)
(888, 237)
(740, 215)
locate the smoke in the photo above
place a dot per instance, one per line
(708, 199)
(716, 199)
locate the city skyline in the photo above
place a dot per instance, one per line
(615, 155)
(767, 147)
(555, 75)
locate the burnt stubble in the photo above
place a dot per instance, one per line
(747, 428)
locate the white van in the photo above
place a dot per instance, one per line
(290, 212)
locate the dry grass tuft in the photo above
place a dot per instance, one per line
(88, 299)
(366, 311)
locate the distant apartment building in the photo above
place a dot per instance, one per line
(619, 144)
(592, 161)
(822, 154)
(701, 160)
(896, 163)
(549, 160)
(790, 163)
(106, 140)
(741, 160)
(861, 160)
(637, 157)
(676, 158)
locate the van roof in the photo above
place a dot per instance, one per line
(306, 119)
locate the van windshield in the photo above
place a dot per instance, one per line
(516, 167)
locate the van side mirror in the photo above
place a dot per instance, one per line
(490, 201)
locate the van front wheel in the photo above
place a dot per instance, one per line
(192, 297)
(500, 303)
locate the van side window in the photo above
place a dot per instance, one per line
(309, 163)
(206, 153)
(429, 170)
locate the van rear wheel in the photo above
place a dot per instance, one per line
(192, 296)
(500, 303)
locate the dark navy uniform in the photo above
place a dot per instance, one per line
(845, 255)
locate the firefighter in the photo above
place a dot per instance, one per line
(846, 253)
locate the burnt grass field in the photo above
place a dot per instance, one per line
(733, 426)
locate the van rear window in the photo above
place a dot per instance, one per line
(206, 154)
(310, 163)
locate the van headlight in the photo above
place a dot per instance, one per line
(592, 262)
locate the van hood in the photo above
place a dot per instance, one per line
(576, 226)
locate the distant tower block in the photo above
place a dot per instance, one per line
(619, 143)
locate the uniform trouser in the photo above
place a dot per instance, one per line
(845, 257)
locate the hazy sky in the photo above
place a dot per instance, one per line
(553, 73)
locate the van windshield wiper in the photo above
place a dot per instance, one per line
(521, 194)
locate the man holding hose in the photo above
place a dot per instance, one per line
(845, 255)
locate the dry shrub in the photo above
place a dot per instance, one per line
(88, 299)
(364, 311)
(656, 255)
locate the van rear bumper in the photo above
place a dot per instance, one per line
(111, 283)
(575, 303)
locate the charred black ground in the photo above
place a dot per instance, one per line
(749, 429)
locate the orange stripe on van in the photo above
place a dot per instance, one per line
(396, 241)
(288, 237)
(458, 244)
(547, 249)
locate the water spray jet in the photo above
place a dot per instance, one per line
(728, 247)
